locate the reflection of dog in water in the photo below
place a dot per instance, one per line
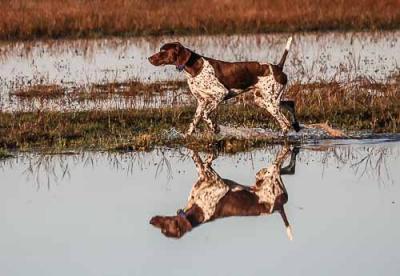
(213, 197)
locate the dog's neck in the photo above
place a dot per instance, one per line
(194, 65)
(195, 215)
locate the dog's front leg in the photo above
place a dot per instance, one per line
(198, 163)
(209, 108)
(196, 118)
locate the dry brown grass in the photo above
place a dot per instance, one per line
(135, 88)
(352, 106)
(29, 19)
(42, 91)
(99, 91)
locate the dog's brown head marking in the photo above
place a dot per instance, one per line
(172, 226)
(171, 54)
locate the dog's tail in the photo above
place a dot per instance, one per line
(286, 222)
(285, 53)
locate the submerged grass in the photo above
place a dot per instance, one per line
(99, 91)
(22, 19)
(42, 91)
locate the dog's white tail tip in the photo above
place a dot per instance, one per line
(288, 43)
(289, 232)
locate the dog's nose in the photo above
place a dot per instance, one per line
(155, 221)
(150, 59)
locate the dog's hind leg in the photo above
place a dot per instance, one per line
(290, 106)
(267, 95)
(278, 115)
(291, 167)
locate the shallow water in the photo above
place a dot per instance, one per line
(313, 57)
(88, 214)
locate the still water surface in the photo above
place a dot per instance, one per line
(78, 64)
(88, 214)
(313, 56)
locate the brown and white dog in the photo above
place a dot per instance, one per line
(213, 197)
(214, 81)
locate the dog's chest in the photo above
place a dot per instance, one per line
(206, 84)
(270, 187)
(206, 194)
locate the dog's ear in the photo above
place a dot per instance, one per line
(182, 56)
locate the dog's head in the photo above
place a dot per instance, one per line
(171, 54)
(172, 226)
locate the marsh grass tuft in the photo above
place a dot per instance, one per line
(42, 91)
(132, 89)
(98, 91)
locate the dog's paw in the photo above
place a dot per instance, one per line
(296, 126)
(217, 129)
(296, 149)
(284, 132)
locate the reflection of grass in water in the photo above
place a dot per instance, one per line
(4, 153)
(47, 18)
(366, 161)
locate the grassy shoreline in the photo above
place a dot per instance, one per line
(145, 129)
(358, 106)
(29, 20)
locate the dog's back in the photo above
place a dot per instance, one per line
(238, 75)
(242, 75)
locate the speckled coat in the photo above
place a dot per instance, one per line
(211, 188)
(210, 92)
